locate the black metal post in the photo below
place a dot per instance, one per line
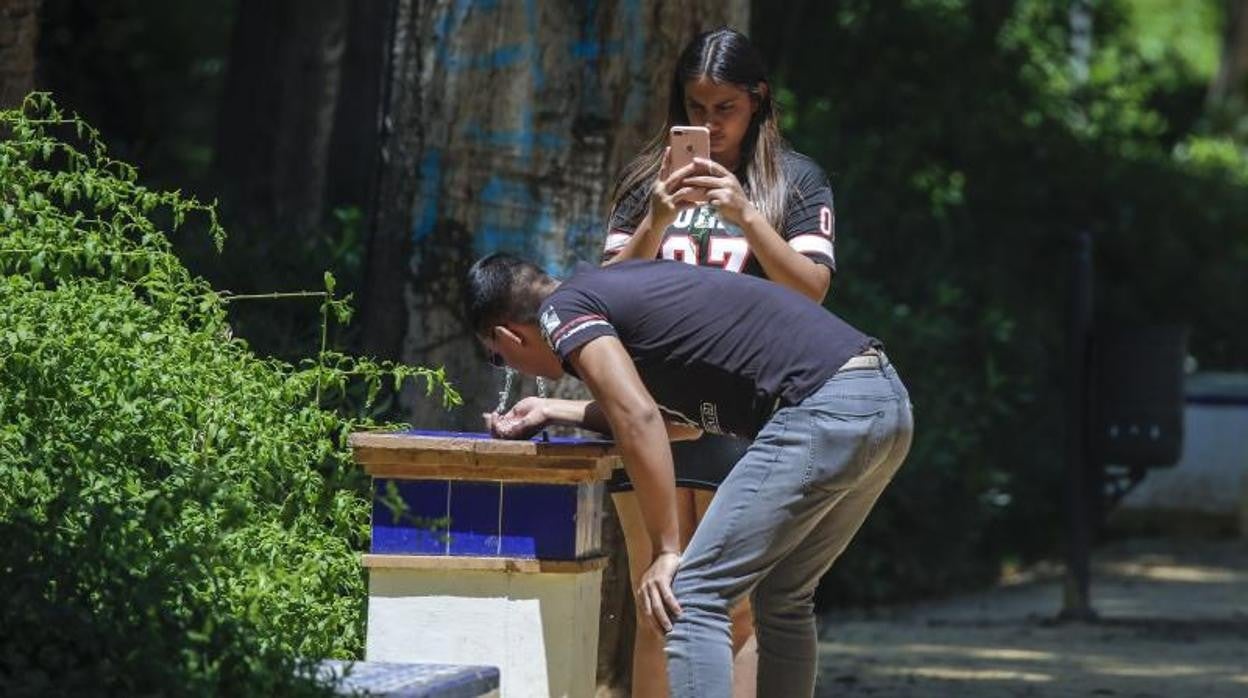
(1076, 602)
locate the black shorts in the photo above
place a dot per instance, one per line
(701, 464)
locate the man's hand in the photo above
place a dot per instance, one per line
(654, 596)
(520, 422)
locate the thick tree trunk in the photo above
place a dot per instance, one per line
(1231, 79)
(401, 139)
(278, 111)
(19, 33)
(353, 149)
(506, 125)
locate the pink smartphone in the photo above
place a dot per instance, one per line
(687, 143)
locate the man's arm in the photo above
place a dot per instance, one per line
(638, 428)
(532, 413)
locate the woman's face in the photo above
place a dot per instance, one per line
(724, 109)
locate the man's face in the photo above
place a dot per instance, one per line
(521, 347)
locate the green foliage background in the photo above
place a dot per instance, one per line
(179, 516)
(965, 152)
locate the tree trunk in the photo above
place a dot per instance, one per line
(278, 111)
(19, 33)
(401, 140)
(507, 123)
(506, 126)
(1231, 79)
(353, 149)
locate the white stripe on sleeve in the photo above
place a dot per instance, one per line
(811, 243)
(616, 242)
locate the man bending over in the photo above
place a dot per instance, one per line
(668, 350)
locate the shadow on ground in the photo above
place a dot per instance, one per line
(1174, 622)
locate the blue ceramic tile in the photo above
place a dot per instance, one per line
(539, 521)
(408, 680)
(422, 529)
(474, 518)
(480, 435)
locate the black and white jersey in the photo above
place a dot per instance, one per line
(699, 237)
(716, 350)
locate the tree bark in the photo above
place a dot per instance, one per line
(19, 34)
(353, 149)
(1231, 79)
(401, 139)
(277, 112)
(505, 127)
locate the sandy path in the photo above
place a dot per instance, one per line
(1174, 623)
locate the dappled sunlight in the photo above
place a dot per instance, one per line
(956, 673)
(1174, 622)
(981, 653)
(982, 660)
(1155, 670)
(991, 653)
(1191, 574)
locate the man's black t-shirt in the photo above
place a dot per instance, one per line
(715, 349)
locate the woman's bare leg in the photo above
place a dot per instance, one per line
(649, 662)
(744, 644)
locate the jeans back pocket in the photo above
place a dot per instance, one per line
(845, 443)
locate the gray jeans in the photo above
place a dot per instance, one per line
(778, 522)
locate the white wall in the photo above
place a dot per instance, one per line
(540, 630)
(1212, 473)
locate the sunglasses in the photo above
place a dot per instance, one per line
(496, 359)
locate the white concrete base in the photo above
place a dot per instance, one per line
(539, 629)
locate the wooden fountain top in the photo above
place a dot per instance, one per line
(476, 456)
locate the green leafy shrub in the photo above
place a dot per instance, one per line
(179, 515)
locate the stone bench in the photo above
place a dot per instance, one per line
(411, 680)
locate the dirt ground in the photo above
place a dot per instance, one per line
(1173, 623)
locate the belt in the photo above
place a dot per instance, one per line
(871, 358)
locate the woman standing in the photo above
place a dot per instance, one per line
(769, 213)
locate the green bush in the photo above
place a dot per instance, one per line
(179, 515)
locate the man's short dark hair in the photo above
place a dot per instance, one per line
(504, 288)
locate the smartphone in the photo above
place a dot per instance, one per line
(687, 143)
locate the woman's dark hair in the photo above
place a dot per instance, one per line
(727, 57)
(504, 288)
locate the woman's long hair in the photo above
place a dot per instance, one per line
(726, 57)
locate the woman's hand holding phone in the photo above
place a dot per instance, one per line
(670, 194)
(723, 191)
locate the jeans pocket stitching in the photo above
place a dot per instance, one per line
(862, 456)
